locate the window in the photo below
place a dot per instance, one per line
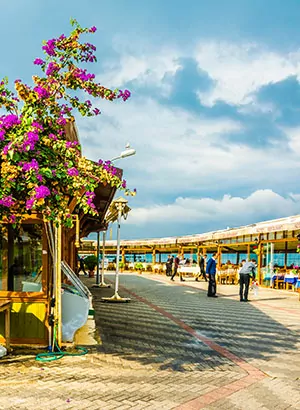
(21, 258)
(279, 235)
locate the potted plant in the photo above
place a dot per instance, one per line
(139, 266)
(121, 266)
(91, 262)
(111, 266)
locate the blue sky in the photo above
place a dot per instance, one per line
(214, 113)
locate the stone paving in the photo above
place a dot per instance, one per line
(171, 347)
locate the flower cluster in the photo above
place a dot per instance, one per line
(40, 170)
(295, 270)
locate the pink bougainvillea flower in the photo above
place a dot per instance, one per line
(37, 160)
(49, 47)
(73, 172)
(37, 125)
(41, 91)
(28, 166)
(7, 201)
(12, 219)
(29, 203)
(52, 68)
(41, 192)
(38, 61)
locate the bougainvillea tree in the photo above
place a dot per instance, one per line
(40, 169)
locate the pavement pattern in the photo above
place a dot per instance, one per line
(171, 347)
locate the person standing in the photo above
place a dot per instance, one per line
(211, 269)
(176, 266)
(202, 268)
(246, 272)
(169, 264)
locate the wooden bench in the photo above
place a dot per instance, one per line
(5, 306)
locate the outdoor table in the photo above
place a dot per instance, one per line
(159, 267)
(5, 307)
(189, 270)
(290, 279)
(277, 279)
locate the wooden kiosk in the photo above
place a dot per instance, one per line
(29, 276)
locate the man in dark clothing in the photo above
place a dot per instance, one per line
(81, 266)
(202, 268)
(176, 265)
(169, 265)
(246, 272)
(211, 269)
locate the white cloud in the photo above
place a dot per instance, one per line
(185, 155)
(293, 135)
(146, 70)
(238, 71)
(179, 151)
(233, 211)
(172, 145)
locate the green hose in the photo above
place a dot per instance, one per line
(59, 354)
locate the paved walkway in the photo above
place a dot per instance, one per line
(171, 347)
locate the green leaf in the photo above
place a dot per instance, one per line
(47, 172)
(16, 157)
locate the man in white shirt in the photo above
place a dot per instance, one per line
(246, 272)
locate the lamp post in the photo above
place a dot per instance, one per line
(120, 206)
(128, 152)
(101, 284)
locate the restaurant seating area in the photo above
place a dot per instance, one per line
(288, 279)
(274, 245)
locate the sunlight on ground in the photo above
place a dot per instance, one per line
(87, 334)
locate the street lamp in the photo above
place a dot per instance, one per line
(126, 153)
(118, 208)
(101, 284)
(110, 218)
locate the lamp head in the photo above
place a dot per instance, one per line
(128, 152)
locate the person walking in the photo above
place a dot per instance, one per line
(202, 268)
(247, 271)
(81, 267)
(176, 266)
(211, 269)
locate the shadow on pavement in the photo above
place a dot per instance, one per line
(137, 332)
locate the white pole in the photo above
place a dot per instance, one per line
(272, 257)
(103, 257)
(118, 250)
(102, 284)
(58, 315)
(116, 298)
(267, 261)
(98, 253)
